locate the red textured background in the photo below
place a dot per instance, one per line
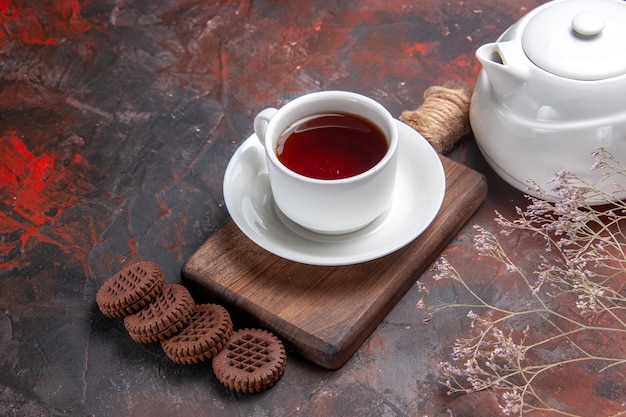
(117, 120)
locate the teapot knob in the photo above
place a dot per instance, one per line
(588, 24)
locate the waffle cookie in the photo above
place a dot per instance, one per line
(252, 360)
(205, 335)
(165, 316)
(130, 290)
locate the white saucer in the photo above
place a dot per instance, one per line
(418, 196)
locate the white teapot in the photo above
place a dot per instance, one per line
(551, 91)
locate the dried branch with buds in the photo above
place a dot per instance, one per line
(572, 303)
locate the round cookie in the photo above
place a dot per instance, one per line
(205, 335)
(166, 315)
(130, 290)
(252, 360)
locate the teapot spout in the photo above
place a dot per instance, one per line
(506, 70)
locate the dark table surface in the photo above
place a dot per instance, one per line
(117, 120)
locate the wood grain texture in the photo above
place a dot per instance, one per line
(326, 312)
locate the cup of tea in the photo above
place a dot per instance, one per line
(332, 159)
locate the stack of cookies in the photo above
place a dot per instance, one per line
(247, 360)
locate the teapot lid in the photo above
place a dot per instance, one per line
(579, 39)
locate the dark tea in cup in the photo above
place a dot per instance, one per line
(331, 160)
(331, 146)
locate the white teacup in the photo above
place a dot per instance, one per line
(329, 206)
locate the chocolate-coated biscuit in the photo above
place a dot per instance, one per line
(252, 360)
(165, 316)
(205, 335)
(130, 290)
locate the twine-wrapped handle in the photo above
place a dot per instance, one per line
(443, 118)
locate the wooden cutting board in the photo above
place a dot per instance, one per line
(326, 312)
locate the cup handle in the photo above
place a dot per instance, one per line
(261, 121)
